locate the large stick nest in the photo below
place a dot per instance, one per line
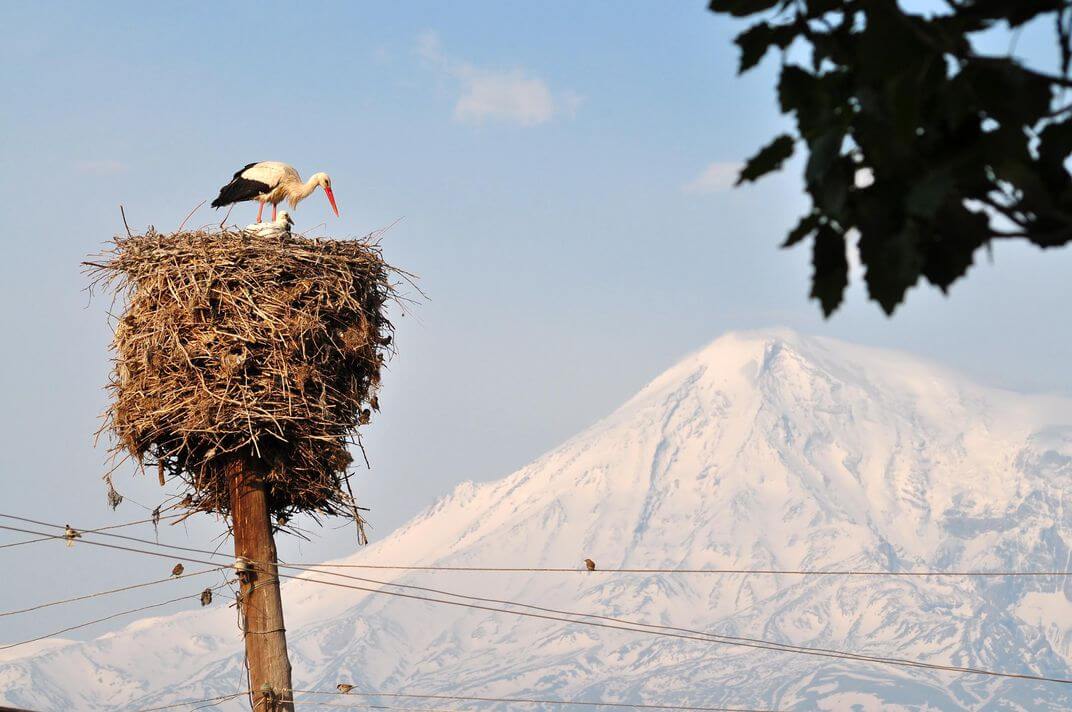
(235, 346)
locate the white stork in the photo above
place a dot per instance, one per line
(272, 182)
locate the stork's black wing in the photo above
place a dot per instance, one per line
(240, 189)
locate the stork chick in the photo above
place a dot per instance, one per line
(280, 227)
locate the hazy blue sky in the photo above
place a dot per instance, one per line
(560, 171)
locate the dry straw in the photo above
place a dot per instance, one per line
(232, 346)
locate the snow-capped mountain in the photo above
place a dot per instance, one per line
(764, 450)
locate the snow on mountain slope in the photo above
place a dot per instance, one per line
(764, 450)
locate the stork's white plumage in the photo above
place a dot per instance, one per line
(277, 228)
(272, 182)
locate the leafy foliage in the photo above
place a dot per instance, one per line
(958, 149)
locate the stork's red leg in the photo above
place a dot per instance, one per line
(273, 212)
(260, 210)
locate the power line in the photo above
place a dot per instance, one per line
(452, 698)
(778, 572)
(370, 706)
(529, 701)
(98, 530)
(613, 623)
(216, 700)
(101, 532)
(111, 591)
(105, 618)
(706, 637)
(690, 634)
(522, 569)
(703, 637)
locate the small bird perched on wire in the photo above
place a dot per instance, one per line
(206, 597)
(343, 687)
(70, 535)
(177, 571)
(277, 228)
(591, 565)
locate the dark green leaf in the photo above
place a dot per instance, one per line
(949, 251)
(824, 151)
(1055, 143)
(769, 158)
(805, 227)
(831, 274)
(757, 39)
(1054, 148)
(817, 8)
(741, 8)
(892, 261)
(929, 194)
(796, 88)
(754, 43)
(833, 192)
(1006, 91)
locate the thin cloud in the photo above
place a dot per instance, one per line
(484, 94)
(717, 177)
(106, 167)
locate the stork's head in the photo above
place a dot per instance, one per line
(324, 181)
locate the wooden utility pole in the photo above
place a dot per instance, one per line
(260, 602)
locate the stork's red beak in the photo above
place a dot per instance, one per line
(331, 199)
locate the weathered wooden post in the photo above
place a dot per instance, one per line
(262, 604)
(243, 368)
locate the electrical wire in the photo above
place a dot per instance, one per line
(691, 634)
(529, 701)
(521, 569)
(111, 534)
(214, 700)
(614, 623)
(92, 531)
(370, 706)
(747, 572)
(703, 637)
(111, 591)
(105, 618)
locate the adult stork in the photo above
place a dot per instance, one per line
(272, 182)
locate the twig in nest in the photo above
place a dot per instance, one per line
(225, 217)
(183, 223)
(124, 214)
